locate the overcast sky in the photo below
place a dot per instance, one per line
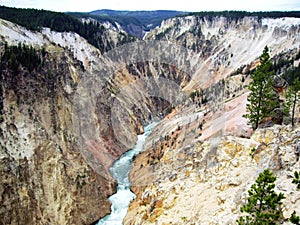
(181, 5)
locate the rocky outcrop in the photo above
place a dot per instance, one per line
(56, 144)
(207, 181)
(44, 177)
(64, 123)
(198, 165)
(223, 44)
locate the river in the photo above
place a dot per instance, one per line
(120, 171)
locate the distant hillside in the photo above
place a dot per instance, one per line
(149, 19)
(34, 19)
(137, 22)
(242, 14)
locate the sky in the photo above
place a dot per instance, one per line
(180, 5)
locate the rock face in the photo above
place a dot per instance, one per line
(207, 182)
(56, 144)
(135, 23)
(197, 167)
(65, 122)
(224, 44)
(44, 177)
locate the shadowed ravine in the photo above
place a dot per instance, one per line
(120, 171)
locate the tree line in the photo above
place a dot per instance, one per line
(34, 19)
(235, 15)
(264, 205)
(27, 56)
(263, 101)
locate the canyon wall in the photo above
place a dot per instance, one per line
(58, 133)
(223, 44)
(206, 182)
(44, 177)
(65, 122)
(198, 166)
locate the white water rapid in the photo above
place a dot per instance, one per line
(120, 171)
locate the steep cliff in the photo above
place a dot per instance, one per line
(44, 177)
(136, 23)
(61, 127)
(64, 122)
(224, 44)
(206, 182)
(197, 166)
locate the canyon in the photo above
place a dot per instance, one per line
(64, 123)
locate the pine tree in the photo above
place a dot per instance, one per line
(295, 219)
(292, 97)
(262, 98)
(296, 179)
(263, 205)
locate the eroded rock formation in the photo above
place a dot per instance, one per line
(206, 182)
(64, 123)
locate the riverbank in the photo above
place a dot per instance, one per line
(120, 171)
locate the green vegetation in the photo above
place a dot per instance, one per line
(296, 179)
(252, 152)
(283, 65)
(104, 17)
(196, 94)
(23, 55)
(291, 74)
(264, 204)
(264, 103)
(145, 19)
(294, 218)
(236, 15)
(262, 98)
(36, 19)
(80, 180)
(293, 98)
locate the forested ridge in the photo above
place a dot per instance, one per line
(24, 55)
(34, 19)
(145, 19)
(241, 14)
(122, 20)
